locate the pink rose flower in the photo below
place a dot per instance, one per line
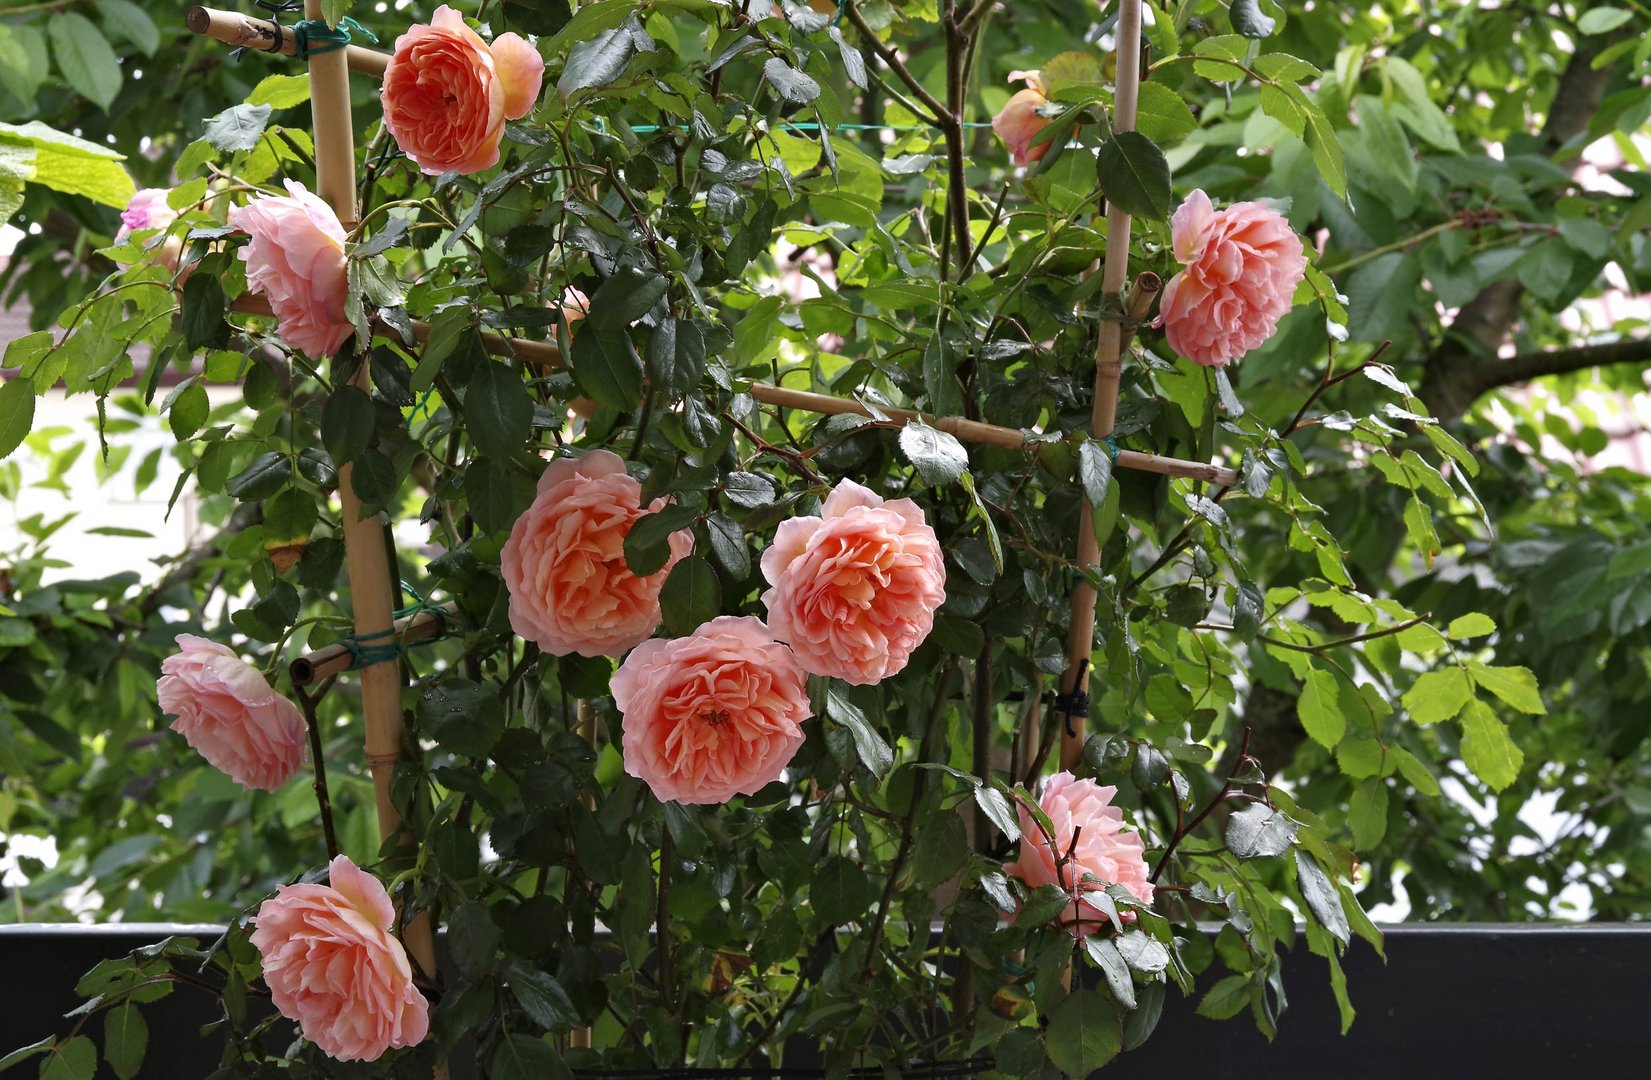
(711, 715)
(447, 93)
(230, 715)
(1242, 268)
(571, 590)
(333, 964)
(296, 259)
(1019, 123)
(149, 210)
(854, 590)
(1104, 850)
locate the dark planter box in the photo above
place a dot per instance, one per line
(1452, 1001)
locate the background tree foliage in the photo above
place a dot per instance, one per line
(1401, 568)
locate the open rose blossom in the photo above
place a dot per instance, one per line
(571, 590)
(150, 210)
(447, 93)
(333, 965)
(711, 715)
(1242, 268)
(1019, 123)
(230, 715)
(1104, 849)
(296, 259)
(854, 590)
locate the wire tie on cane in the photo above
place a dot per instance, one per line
(1110, 442)
(312, 37)
(379, 647)
(422, 603)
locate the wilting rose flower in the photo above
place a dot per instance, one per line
(711, 715)
(1242, 268)
(296, 259)
(1104, 850)
(333, 965)
(571, 590)
(854, 590)
(447, 93)
(1019, 123)
(230, 715)
(150, 210)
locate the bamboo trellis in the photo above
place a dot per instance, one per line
(545, 354)
(1109, 344)
(372, 583)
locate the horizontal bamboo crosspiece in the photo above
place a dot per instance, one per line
(329, 660)
(546, 355)
(247, 31)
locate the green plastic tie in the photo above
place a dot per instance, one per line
(312, 37)
(365, 655)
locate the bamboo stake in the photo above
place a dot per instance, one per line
(546, 355)
(1080, 639)
(234, 28)
(330, 660)
(371, 582)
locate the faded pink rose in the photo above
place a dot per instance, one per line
(334, 965)
(854, 591)
(226, 710)
(447, 93)
(150, 210)
(296, 259)
(1242, 268)
(711, 715)
(1104, 850)
(1019, 123)
(571, 590)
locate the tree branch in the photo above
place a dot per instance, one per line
(1484, 323)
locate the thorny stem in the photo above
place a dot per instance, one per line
(957, 188)
(318, 761)
(1183, 829)
(1326, 646)
(937, 111)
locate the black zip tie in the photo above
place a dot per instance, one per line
(1075, 702)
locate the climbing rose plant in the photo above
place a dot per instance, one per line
(736, 747)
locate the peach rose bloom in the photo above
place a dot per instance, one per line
(334, 965)
(571, 590)
(1104, 849)
(1242, 268)
(854, 590)
(296, 259)
(149, 210)
(226, 710)
(711, 715)
(447, 93)
(1019, 123)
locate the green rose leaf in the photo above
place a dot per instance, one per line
(1260, 832)
(1134, 175)
(16, 413)
(938, 457)
(1084, 1033)
(498, 408)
